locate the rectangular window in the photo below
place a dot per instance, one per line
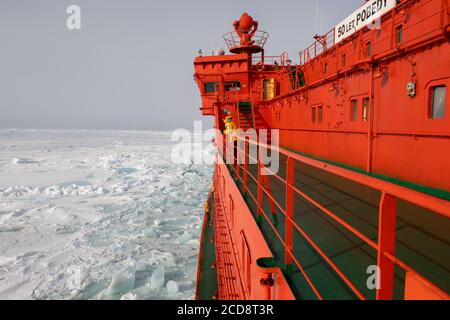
(211, 87)
(354, 110)
(232, 86)
(399, 34)
(369, 49)
(437, 102)
(344, 60)
(320, 114)
(365, 111)
(313, 115)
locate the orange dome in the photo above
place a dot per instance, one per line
(246, 22)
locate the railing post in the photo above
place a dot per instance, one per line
(289, 213)
(238, 160)
(260, 190)
(273, 208)
(246, 160)
(386, 244)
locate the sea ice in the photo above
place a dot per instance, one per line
(150, 233)
(185, 237)
(129, 296)
(22, 160)
(157, 279)
(172, 287)
(5, 260)
(77, 277)
(123, 281)
(105, 214)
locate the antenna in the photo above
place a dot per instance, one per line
(317, 17)
(321, 17)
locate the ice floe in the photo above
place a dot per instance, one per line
(97, 215)
(157, 278)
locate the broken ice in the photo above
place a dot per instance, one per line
(157, 279)
(104, 215)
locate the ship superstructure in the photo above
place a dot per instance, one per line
(362, 131)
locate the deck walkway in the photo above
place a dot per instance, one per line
(423, 240)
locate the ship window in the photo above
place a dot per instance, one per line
(354, 110)
(313, 115)
(365, 110)
(232, 86)
(211, 87)
(369, 49)
(344, 60)
(325, 69)
(320, 114)
(437, 102)
(398, 34)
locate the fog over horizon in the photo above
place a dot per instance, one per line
(130, 67)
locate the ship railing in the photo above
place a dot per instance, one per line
(382, 46)
(232, 39)
(322, 44)
(326, 42)
(386, 241)
(282, 60)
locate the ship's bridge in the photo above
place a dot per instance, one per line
(235, 84)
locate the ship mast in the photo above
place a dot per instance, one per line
(246, 38)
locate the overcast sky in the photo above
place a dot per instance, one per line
(130, 66)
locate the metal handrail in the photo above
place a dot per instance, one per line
(318, 47)
(387, 213)
(233, 40)
(281, 60)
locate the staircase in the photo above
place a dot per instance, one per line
(252, 119)
(246, 120)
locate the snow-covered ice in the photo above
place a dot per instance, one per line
(172, 287)
(97, 215)
(157, 279)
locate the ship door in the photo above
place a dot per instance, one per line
(268, 89)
